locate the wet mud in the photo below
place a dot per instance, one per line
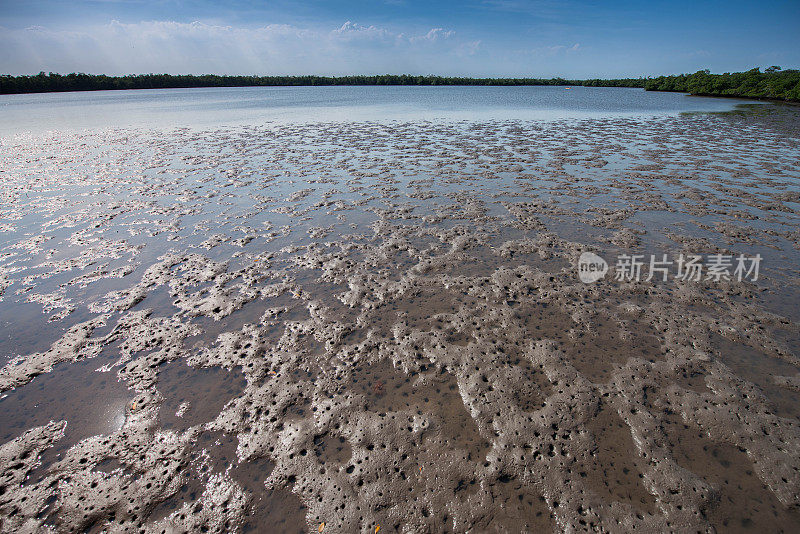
(363, 327)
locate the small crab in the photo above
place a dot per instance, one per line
(377, 387)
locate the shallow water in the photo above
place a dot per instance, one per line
(248, 106)
(335, 326)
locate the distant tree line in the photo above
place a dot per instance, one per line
(773, 83)
(52, 82)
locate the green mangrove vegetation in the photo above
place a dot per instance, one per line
(52, 82)
(773, 83)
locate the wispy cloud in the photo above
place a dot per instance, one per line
(435, 34)
(199, 47)
(353, 30)
(554, 50)
(469, 49)
(542, 38)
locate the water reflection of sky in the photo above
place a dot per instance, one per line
(209, 107)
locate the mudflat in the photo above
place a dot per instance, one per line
(362, 326)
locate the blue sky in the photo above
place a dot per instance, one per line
(574, 39)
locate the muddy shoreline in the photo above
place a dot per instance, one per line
(336, 327)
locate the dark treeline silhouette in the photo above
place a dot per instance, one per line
(773, 83)
(46, 83)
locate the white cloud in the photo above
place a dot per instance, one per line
(555, 50)
(352, 30)
(434, 35)
(199, 47)
(469, 49)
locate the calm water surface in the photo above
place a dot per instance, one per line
(213, 107)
